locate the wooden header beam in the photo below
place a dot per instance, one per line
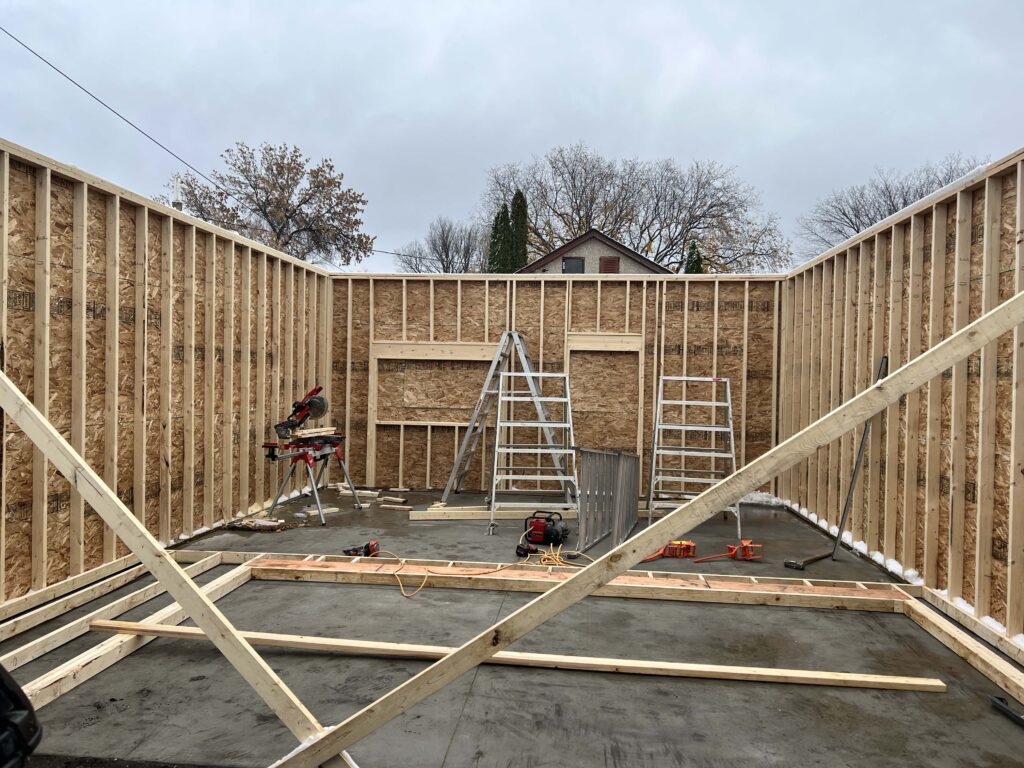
(686, 517)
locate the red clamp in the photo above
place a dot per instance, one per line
(745, 550)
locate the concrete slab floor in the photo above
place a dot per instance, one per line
(179, 703)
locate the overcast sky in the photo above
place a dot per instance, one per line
(415, 101)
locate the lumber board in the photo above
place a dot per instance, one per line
(685, 518)
(892, 415)
(67, 632)
(546, 660)
(166, 355)
(974, 652)
(112, 360)
(188, 386)
(194, 602)
(1015, 545)
(958, 416)
(908, 554)
(210, 377)
(5, 194)
(141, 331)
(79, 268)
(72, 673)
(639, 585)
(227, 451)
(41, 375)
(987, 405)
(875, 497)
(244, 384)
(970, 622)
(933, 450)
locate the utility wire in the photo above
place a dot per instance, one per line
(149, 136)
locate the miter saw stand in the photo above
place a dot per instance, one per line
(308, 447)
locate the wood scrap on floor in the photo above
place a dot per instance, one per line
(399, 507)
(393, 499)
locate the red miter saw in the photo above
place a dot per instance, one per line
(308, 447)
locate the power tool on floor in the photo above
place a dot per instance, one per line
(542, 528)
(369, 549)
(675, 548)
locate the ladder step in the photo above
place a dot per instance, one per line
(551, 424)
(708, 403)
(544, 399)
(695, 427)
(533, 505)
(555, 478)
(707, 453)
(714, 472)
(535, 449)
(684, 480)
(532, 375)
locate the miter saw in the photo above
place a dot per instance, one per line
(307, 447)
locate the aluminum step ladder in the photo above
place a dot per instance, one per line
(553, 460)
(512, 352)
(693, 421)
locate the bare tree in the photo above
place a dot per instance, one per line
(449, 247)
(655, 208)
(274, 195)
(845, 212)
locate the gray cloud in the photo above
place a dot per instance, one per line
(414, 101)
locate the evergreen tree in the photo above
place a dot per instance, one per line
(519, 231)
(694, 263)
(499, 253)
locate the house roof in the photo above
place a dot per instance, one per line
(593, 234)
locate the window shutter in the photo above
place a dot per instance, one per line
(609, 265)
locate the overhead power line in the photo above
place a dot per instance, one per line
(148, 135)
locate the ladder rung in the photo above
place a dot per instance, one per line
(695, 427)
(556, 478)
(718, 472)
(684, 480)
(709, 403)
(706, 453)
(533, 505)
(532, 375)
(551, 424)
(517, 399)
(537, 449)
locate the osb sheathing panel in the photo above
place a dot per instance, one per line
(387, 455)
(177, 377)
(527, 316)
(473, 295)
(605, 399)
(129, 321)
(236, 358)
(900, 329)
(945, 442)
(922, 416)
(554, 326)
(1003, 404)
(446, 301)
(216, 485)
(442, 457)
(428, 391)
(96, 319)
(387, 312)
(59, 492)
(760, 373)
(339, 344)
(613, 307)
(153, 387)
(973, 391)
(583, 310)
(414, 463)
(199, 388)
(499, 297)
(417, 310)
(360, 363)
(19, 367)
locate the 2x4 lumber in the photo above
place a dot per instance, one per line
(453, 350)
(677, 587)
(546, 660)
(275, 361)
(875, 498)
(5, 186)
(370, 471)
(288, 385)
(141, 331)
(908, 554)
(41, 375)
(958, 415)
(974, 652)
(166, 354)
(228, 458)
(814, 382)
(933, 450)
(210, 378)
(111, 359)
(260, 491)
(72, 673)
(244, 370)
(824, 382)
(67, 632)
(188, 385)
(1015, 558)
(892, 415)
(987, 405)
(835, 388)
(193, 601)
(972, 624)
(58, 607)
(683, 519)
(79, 270)
(863, 380)
(851, 311)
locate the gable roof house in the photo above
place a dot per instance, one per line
(591, 253)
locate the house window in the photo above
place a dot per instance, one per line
(609, 265)
(572, 265)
